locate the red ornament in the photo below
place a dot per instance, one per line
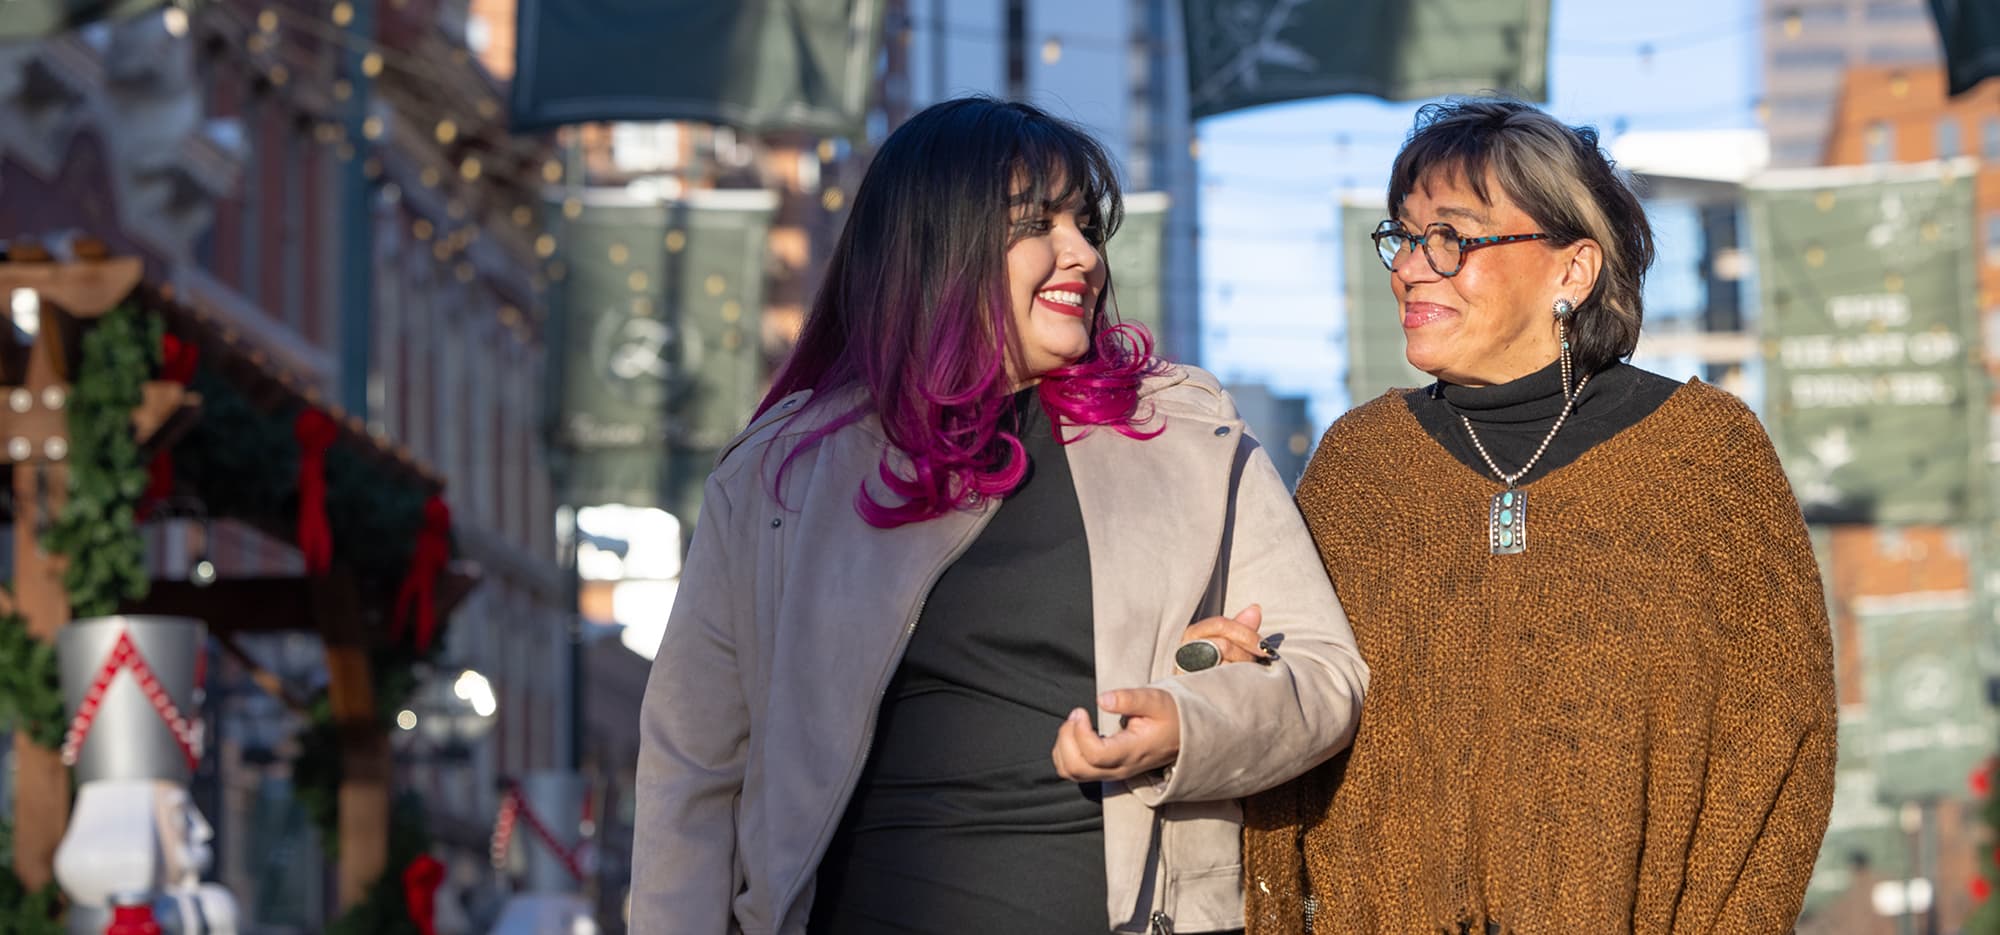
(1981, 889)
(132, 920)
(177, 362)
(1982, 779)
(420, 882)
(316, 432)
(416, 602)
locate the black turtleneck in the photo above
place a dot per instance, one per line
(1513, 418)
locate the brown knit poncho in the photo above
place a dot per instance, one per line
(1628, 728)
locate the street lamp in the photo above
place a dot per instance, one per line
(450, 710)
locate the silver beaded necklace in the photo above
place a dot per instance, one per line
(1507, 512)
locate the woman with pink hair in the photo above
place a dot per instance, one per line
(928, 667)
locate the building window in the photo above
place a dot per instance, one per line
(1947, 138)
(1993, 236)
(1891, 11)
(1880, 139)
(1989, 131)
(1902, 54)
(1826, 57)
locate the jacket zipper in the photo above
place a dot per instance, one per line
(1312, 909)
(881, 690)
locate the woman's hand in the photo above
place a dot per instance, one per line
(1237, 639)
(1150, 738)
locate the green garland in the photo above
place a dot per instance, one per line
(30, 685)
(98, 527)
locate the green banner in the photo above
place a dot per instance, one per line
(757, 64)
(1971, 33)
(1242, 53)
(1376, 360)
(1874, 393)
(1861, 832)
(34, 19)
(1928, 718)
(1137, 256)
(658, 362)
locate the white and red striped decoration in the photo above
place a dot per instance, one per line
(125, 655)
(514, 807)
(503, 827)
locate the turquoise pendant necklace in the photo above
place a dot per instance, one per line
(1507, 513)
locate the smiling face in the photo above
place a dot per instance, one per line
(1055, 276)
(1492, 322)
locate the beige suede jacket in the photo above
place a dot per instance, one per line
(793, 614)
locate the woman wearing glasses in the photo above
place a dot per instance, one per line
(1603, 689)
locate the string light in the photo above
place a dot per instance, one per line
(267, 21)
(371, 64)
(552, 171)
(638, 281)
(572, 207)
(372, 128)
(421, 229)
(619, 254)
(676, 241)
(343, 13)
(523, 216)
(430, 177)
(545, 246)
(446, 131)
(469, 169)
(714, 284)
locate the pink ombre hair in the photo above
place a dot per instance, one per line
(915, 306)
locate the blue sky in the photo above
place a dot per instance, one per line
(1272, 177)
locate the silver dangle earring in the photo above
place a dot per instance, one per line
(1564, 311)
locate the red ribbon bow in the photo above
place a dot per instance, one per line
(417, 599)
(420, 882)
(177, 362)
(316, 432)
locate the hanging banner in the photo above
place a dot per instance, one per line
(1242, 53)
(1376, 361)
(1874, 392)
(1929, 720)
(36, 19)
(761, 65)
(658, 363)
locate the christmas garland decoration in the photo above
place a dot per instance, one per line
(243, 462)
(98, 528)
(30, 685)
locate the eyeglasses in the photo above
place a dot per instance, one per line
(1444, 250)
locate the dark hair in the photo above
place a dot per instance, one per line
(915, 306)
(1563, 180)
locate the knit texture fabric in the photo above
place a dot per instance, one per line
(1627, 728)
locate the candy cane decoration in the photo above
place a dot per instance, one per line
(503, 827)
(515, 807)
(126, 655)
